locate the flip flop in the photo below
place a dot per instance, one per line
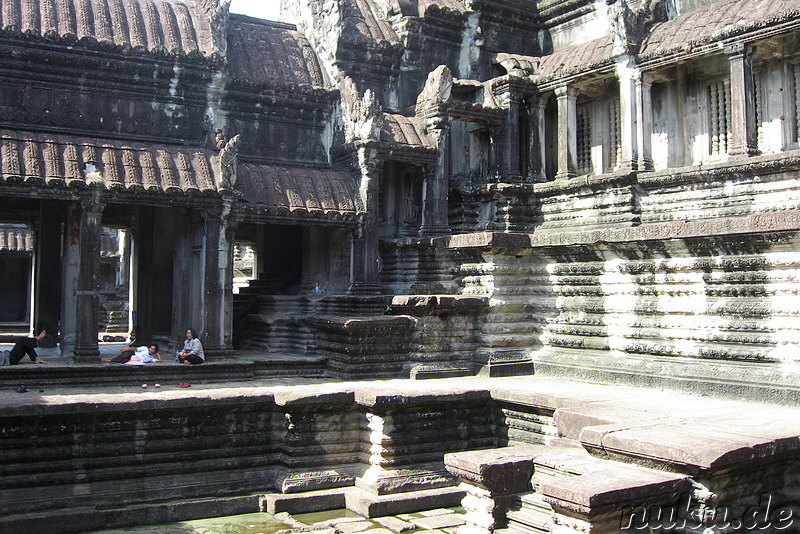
(22, 389)
(184, 385)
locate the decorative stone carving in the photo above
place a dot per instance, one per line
(628, 24)
(229, 162)
(438, 87)
(363, 113)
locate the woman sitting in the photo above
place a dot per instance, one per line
(192, 352)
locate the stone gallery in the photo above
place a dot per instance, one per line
(540, 258)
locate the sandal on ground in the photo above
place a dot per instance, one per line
(184, 385)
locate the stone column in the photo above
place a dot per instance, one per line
(366, 257)
(743, 130)
(628, 76)
(513, 137)
(437, 180)
(539, 143)
(644, 134)
(227, 319)
(216, 274)
(88, 298)
(567, 134)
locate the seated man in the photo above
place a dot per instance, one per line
(23, 346)
(137, 355)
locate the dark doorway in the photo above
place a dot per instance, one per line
(15, 289)
(282, 259)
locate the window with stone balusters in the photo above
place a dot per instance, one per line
(776, 92)
(583, 134)
(599, 136)
(718, 116)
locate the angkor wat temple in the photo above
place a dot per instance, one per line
(586, 190)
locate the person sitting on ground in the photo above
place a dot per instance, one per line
(138, 355)
(23, 346)
(192, 352)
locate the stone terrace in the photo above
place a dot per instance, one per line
(101, 457)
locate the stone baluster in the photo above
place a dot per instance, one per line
(88, 298)
(741, 113)
(567, 132)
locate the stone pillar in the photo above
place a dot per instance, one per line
(227, 319)
(539, 142)
(366, 257)
(216, 274)
(628, 76)
(512, 137)
(743, 130)
(644, 134)
(567, 134)
(437, 180)
(490, 479)
(88, 298)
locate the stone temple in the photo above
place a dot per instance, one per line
(537, 257)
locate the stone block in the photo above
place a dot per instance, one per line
(370, 505)
(617, 486)
(570, 421)
(299, 503)
(439, 521)
(501, 471)
(395, 524)
(679, 445)
(351, 527)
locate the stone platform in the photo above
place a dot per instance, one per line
(77, 456)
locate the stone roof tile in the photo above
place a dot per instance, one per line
(576, 58)
(409, 131)
(271, 52)
(44, 159)
(172, 25)
(716, 21)
(360, 23)
(299, 192)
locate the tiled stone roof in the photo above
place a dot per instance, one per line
(360, 24)
(16, 238)
(298, 192)
(409, 131)
(80, 162)
(717, 21)
(577, 58)
(270, 52)
(171, 25)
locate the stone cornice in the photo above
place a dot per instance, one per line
(757, 223)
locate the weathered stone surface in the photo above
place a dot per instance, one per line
(315, 501)
(439, 521)
(370, 505)
(501, 471)
(395, 524)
